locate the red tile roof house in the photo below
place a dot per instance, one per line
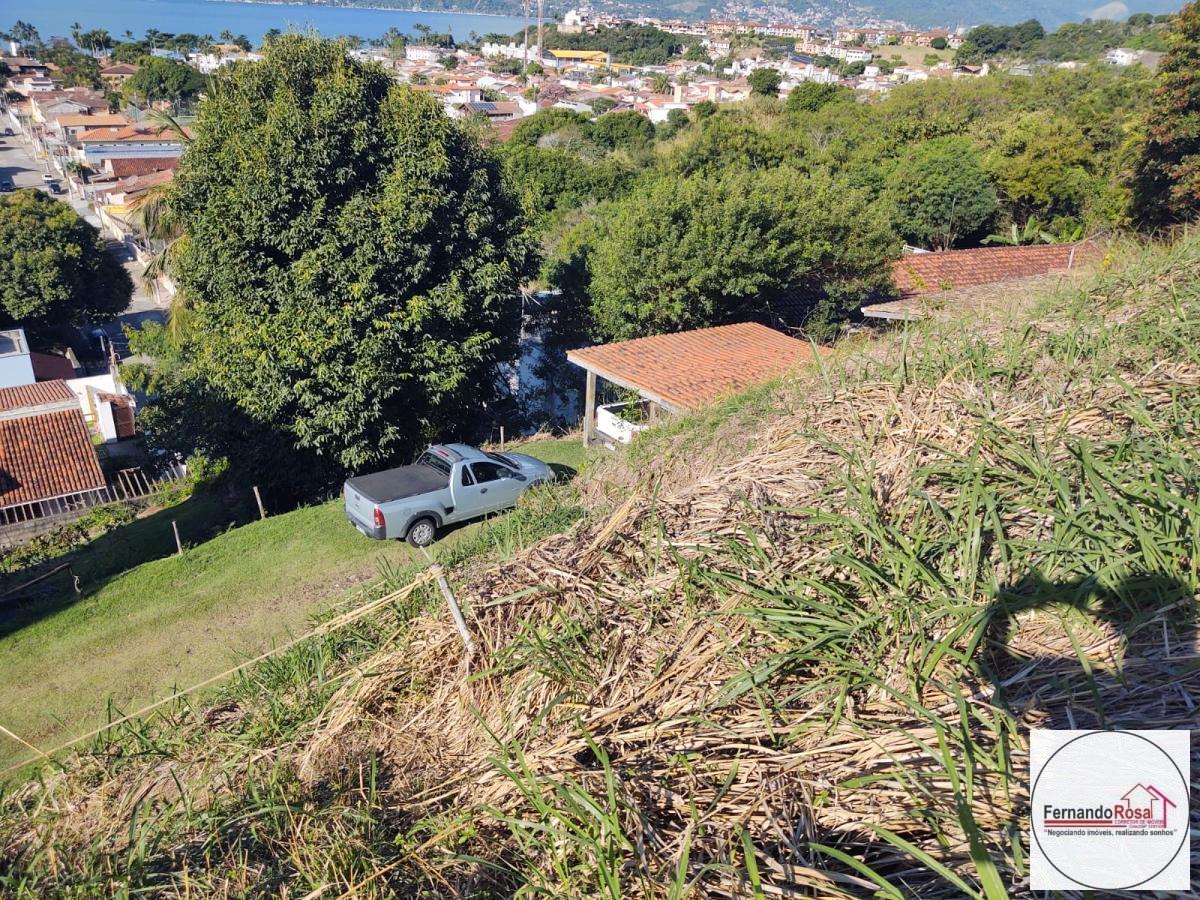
(924, 279)
(675, 373)
(48, 465)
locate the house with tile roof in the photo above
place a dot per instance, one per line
(676, 373)
(99, 144)
(920, 277)
(48, 465)
(116, 75)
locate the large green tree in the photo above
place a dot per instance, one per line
(687, 253)
(765, 82)
(941, 193)
(54, 270)
(1166, 186)
(1042, 166)
(158, 78)
(350, 256)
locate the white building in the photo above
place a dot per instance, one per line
(1122, 56)
(16, 365)
(849, 54)
(423, 53)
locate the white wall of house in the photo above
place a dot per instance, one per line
(16, 369)
(104, 422)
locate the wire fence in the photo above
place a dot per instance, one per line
(22, 521)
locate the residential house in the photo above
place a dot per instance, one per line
(927, 281)
(133, 141)
(423, 53)
(47, 462)
(675, 373)
(492, 111)
(116, 75)
(68, 126)
(16, 362)
(21, 66)
(1122, 56)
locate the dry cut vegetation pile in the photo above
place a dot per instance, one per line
(798, 655)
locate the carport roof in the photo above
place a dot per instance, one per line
(691, 368)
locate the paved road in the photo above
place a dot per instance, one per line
(18, 162)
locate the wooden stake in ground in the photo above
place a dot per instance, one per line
(459, 622)
(178, 543)
(262, 513)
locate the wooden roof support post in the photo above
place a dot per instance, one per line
(589, 410)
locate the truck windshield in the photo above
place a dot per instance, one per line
(434, 462)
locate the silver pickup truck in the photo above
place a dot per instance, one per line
(448, 483)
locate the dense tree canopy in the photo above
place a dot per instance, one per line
(352, 257)
(75, 69)
(638, 45)
(765, 81)
(942, 194)
(810, 96)
(623, 130)
(54, 270)
(163, 79)
(702, 251)
(1167, 182)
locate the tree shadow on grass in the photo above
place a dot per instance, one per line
(563, 473)
(95, 563)
(1109, 654)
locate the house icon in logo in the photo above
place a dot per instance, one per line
(1145, 804)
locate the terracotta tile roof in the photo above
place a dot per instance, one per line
(103, 120)
(124, 167)
(691, 368)
(120, 69)
(39, 394)
(928, 273)
(978, 298)
(135, 185)
(47, 455)
(132, 133)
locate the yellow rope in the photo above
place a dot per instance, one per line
(325, 628)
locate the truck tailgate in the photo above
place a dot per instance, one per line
(358, 507)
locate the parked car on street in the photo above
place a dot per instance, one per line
(46, 176)
(448, 483)
(8, 132)
(6, 185)
(55, 187)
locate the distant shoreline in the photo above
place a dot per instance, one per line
(396, 9)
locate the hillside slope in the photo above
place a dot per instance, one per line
(797, 648)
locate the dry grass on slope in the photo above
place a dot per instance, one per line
(817, 657)
(807, 667)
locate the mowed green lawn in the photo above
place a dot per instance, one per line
(137, 634)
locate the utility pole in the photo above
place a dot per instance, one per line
(525, 55)
(541, 12)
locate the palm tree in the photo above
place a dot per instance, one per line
(153, 35)
(76, 30)
(661, 84)
(162, 234)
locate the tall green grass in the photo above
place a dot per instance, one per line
(891, 618)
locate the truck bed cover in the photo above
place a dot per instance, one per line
(395, 484)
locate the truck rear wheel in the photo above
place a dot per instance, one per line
(422, 532)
